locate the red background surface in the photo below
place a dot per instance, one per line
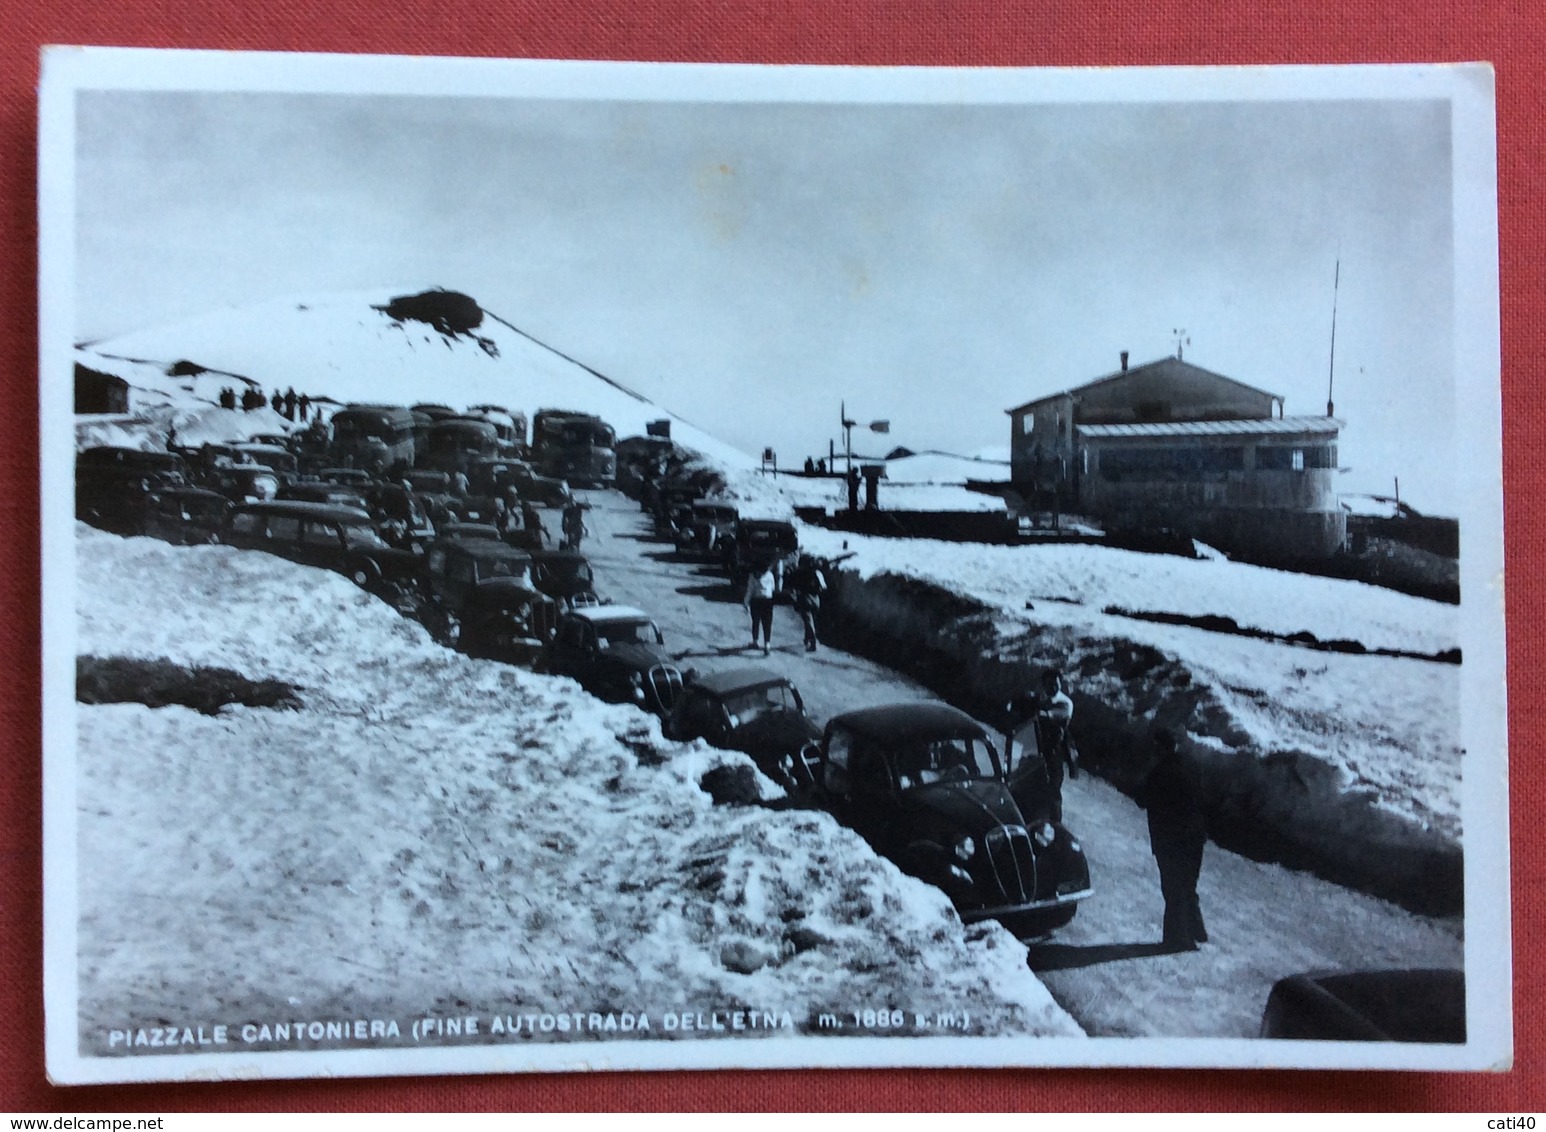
(961, 33)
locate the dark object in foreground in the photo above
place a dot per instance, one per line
(161, 683)
(1368, 1006)
(617, 654)
(746, 709)
(925, 786)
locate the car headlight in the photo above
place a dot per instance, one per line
(964, 849)
(1044, 835)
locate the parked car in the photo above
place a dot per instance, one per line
(357, 478)
(243, 482)
(483, 601)
(185, 516)
(433, 491)
(495, 475)
(342, 539)
(617, 654)
(756, 541)
(320, 491)
(566, 576)
(746, 709)
(1368, 1006)
(924, 784)
(277, 458)
(273, 440)
(705, 525)
(113, 485)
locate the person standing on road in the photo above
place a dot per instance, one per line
(762, 585)
(1177, 835)
(806, 585)
(1052, 712)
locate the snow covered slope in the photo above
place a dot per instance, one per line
(350, 348)
(436, 835)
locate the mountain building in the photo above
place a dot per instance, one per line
(1171, 446)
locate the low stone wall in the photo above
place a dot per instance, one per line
(1283, 806)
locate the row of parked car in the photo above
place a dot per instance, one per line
(924, 783)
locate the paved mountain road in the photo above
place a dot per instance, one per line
(1105, 968)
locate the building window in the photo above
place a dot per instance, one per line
(1027, 423)
(1272, 459)
(1170, 462)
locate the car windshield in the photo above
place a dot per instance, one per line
(945, 760)
(626, 632)
(358, 536)
(750, 703)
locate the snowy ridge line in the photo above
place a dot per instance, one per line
(613, 382)
(1302, 639)
(509, 846)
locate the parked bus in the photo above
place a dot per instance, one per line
(511, 425)
(577, 447)
(378, 438)
(456, 442)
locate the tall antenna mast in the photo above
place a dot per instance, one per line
(1331, 375)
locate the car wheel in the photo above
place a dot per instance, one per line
(365, 574)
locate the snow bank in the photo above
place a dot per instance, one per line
(434, 835)
(1347, 765)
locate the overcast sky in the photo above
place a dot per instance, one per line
(751, 266)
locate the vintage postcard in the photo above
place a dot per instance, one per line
(560, 566)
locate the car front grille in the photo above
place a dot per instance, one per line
(1012, 862)
(665, 683)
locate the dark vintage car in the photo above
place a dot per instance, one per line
(113, 485)
(276, 458)
(756, 541)
(495, 476)
(319, 491)
(482, 600)
(185, 516)
(706, 524)
(1368, 1006)
(746, 709)
(565, 576)
(433, 491)
(617, 654)
(357, 478)
(274, 440)
(924, 784)
(242, 483)
(342, 539)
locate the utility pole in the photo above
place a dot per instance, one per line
(1331, 375)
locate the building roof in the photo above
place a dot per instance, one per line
(1175, 365)
(1268, 426)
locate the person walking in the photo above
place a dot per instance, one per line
(762, 586)
(1177, 835)
(806, 585)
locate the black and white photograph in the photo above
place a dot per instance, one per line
(562, 566)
